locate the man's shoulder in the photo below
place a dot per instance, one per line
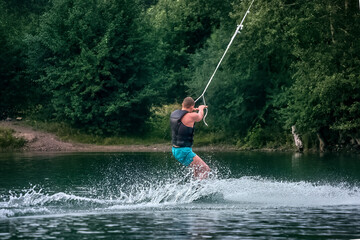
(191, 115)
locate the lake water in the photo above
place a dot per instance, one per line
(150, 196)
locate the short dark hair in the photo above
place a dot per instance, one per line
(188, 102)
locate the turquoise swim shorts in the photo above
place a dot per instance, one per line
(184, 155)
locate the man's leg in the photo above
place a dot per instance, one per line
(201, 169)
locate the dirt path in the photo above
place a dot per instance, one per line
(43, 141)
(39, 141)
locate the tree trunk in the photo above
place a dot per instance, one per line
(322, 144)
(356, 139)
(332, 29)
(297, 139)
(346, 5)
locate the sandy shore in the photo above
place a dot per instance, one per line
(39, 141)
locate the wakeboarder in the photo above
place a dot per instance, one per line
(182, 128)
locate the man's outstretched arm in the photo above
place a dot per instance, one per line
(197, 117)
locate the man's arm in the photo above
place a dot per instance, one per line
(197, 117)
(190, 118)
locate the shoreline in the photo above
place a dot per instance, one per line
(40, 141)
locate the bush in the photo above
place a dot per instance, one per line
(159, 121)
(8, 141)
(93, 61)
(266, 137)
(68, 133)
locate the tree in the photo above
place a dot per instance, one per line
(92, 58)
(17, 92)
(284, 69)
(183, 27)
(324, 98)
(245, 89)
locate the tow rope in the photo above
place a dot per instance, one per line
(238, 29)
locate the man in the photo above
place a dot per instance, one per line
(182, 129)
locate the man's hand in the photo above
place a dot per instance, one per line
(200, 107)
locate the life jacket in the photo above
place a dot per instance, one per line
(182, 136)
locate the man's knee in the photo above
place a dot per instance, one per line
(200, 164)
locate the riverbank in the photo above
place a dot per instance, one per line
(41, 141)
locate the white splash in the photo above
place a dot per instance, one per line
(234, 192)
(271, 192)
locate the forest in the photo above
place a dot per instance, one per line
(119, 67)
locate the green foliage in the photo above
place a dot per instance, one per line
(206, 138)
(68, 133)
(326, 93)
(8, 141)
(116, 68)
(182, 27)
(245, 88)
(266, 137)
(16, 92)
(285, 68)
(94, 65)
(159, 123)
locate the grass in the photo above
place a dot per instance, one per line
(156, 135)
(68, 133)
(159, 132)
(8, 141)
(212, 138)
(158, 126)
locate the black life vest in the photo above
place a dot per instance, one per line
(182, 136)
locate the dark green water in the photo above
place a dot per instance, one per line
(150, 196)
